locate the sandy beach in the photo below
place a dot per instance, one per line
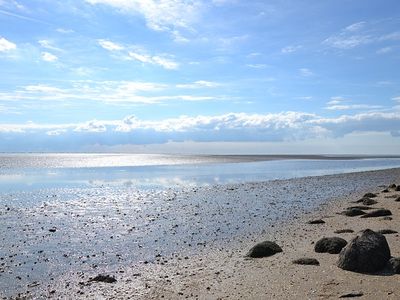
(198, 251)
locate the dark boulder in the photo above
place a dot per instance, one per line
(306, 261)
(385, 191)
(397, 188)
(352, 212)
(392, 186)
(394, 263)
(331, 245)
(366, 253)
(264, 249)
(377, 213)
(397, 199)
(369, 195)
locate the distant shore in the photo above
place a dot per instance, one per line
(195, 249)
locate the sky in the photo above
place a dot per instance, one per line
(212, 76)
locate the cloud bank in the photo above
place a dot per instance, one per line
(231, 127)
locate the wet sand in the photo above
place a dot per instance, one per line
(192, 243)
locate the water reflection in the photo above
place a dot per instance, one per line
(160, 177)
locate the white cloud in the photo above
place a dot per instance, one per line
(91, 126)
(117, 92)
(110, 46)
(290, 49)
(139, 54)
(64, 30)
(198, 84)
(396, 99)
(384, 50)
(231, 127)
(306, 72)
(352, 106)
(46, 56)
(344, 41)
(6, 45)
(257, 66)
(356, 26)
(165, 15)
(48, 45)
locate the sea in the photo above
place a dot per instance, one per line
(27, 172)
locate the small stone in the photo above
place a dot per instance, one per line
(352, 295)
(306, 261)
(387, 231)
(103, 278)
(344, 231)
(319, 221)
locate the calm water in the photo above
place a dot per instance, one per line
(30, 172)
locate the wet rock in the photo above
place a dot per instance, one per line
(306, 261)
(344, 231)
(369, 195)
(394, 264)
(319, 221)
(332, 245)
(392, 186)
(352, 212)
(397, 199)
(387, 231)
(264, 249)
(352, 295)
(377, 213)
(397, 188)
(385, 191)
(367, 252)
(53, 229)
(104, 278)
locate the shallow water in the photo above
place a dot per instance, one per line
(165, 171)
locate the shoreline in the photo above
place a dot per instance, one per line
(219, 270)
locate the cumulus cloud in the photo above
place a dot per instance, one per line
(231, 127)
(6, 45)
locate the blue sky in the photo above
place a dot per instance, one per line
(216, 76)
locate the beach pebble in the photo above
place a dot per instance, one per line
(104, 278)
(319, 221)
(264, 249)
(352, 295)
(387, 231)
(367, 252)
(344, 231)
(377, 213)
(331, 245)
(306, 261)
(394, 263)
